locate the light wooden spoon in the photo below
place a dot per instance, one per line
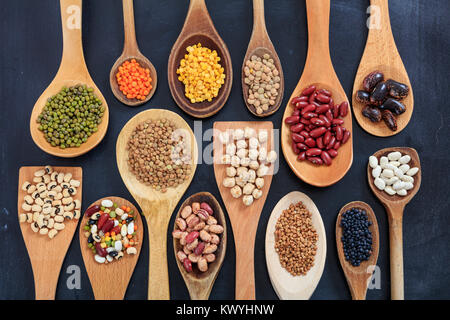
(110, 281)
(259, 45)
(244, 219)
(131, 51)
(72, 71)
(200, 283)
(286, 286)
(47, 255)
(358, 277)
(318, 71)
(395, 205)
(157, 207)
(381, 54)
(199, 28)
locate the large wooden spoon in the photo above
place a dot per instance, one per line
(47, 255)
(318, 71)
(72, 71)
(381, 54)
(157, 207)
(131, 51)
(199, 28)
(358, 277)
(259, 45)
(286, 286)
(395, 205)
(110, 281)
(244, 219)
(200, 283)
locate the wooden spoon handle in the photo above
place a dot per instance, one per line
(259, 22)
(318, 13)
(396, 257)
(45, 283)
(71, 25)
(245, 270)
(130, 45)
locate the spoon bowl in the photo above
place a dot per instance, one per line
(200, 283)
(395, 206)
(358, 277)
(199, 28)
(287, 286)
(72, 71)
(131, 51)
(110, 281)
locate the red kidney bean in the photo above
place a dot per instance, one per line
(206, 207)
(335, 111)
(345, 137)
(312, 97)
(317, 122)
(292, 120)
(305, 121)
(333, 153)
(100, 251)
(317, 132)
(302, 146)
(309, 90)
(101, 221)
(297, 127)
(326, 138)
(337, 121)
(325, 157)
(343, 109)
(302, 156)
(296, 112)
(329, 115)
(323, 98)
(315, 160)
(331, 103)
(337, 145)
(325, 92)
(116, 230)
(199, 248)
(192, 236)
(296, 100)
(310, 142)
(309, 115)
(308, 108)
(305, 133)
(331, 142)
(295, 148)
(301, 104)
(322, 108)
(297, 137)
(313, 152)
(187, 264)
(319, 142)
(107, 226)
(325, 120)
(339, 133)
(310, 127)
(90, 211)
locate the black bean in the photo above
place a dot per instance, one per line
(389, 119)
(113, 253)
(372, 79)
(363, 96)
(372, 113)
(394, 106)
(90, 238)
(129, 219)
(91, 222)
(396, 89)
(379, 94)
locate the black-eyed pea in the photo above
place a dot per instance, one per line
(199, 226)
(53, 175)
(51, 223)
(194, 258)
(72, 191)
(22, 217)
(31, 189)
(119, 256)
(68, 215)
(36, 208)
(205, 236)
(58, 189)
(34, 227)
(26, 185)
(26, 206)
(75, 183)
(181, 223)
(211, 257)
(202, 264)
(69, 207)
(39, 201)
(186, 212)
(97, 238)
(65, 185)
(215, 239)
(96, 216)
(192, 245)
(181, 255)
(29, 217)
(39, 173)
(35, 216)
(47, 208)
(35, 195)
(60, 177)
(51, 185)
(40, 221)
(216, 229)
(58, 219)
(59, 196)
(52, 233)
(46, 178)
(43, 231)
(59, 226)
(59, 211)
(48, 200)
(76, 214)
(211, 221)
(78, 205)
(67, 177)
(52, 194)
(43, 194)
(66, 193)
(41, 188)
(48, 169)
(210, 248)
(28, 199)
(37, 179)
(67, 200)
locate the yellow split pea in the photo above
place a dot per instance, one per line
(201, 73)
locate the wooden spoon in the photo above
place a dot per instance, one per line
(259, 45)
(395, 205)
(47, 255)
(358, 277)
(199, 28)
(110, 282)
(157, 207)
(200, 283)
(131, 51)
(72, 71)
(244, 219)
(286, 286)
(381, 54)
(318, 71)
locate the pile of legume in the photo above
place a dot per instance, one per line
(263, 80)
(49, 203)
(296, 239)
(159, 154)
(134, 81)
(201, 73)
(71, 116)
(199, 234)
(111, 231)
(356, 237)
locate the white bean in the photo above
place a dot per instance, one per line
(387, 173)
(407, 178)
(384, 160)
(376, 172)
(373, 162)
(398, 172)
(99, 259)
(404, 168)
(389, 190)
(411, 172)
(405, 159)
(398, 185)
(392, 180)
(394, 155)
(379, 183)
(402, 192)
(408, 186)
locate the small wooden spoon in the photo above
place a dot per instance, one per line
(200, 283)
(72, 71)
(131, 51)
(110, 282)
(381, 54)
(199, 28)
(395, 205)
(157, 207)
(318, 71)
(259, 45)
(358, 277)
(47, 255)
(286, 286)
(244, 219)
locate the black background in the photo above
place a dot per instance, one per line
(30, 53)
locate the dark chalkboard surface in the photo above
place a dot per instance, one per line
(30, 52)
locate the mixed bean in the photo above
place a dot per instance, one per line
(111, 231)
(71, 116)
(49, 201)
(198, 232)
(317, 127)
(382, 99)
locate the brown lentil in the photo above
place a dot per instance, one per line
(296, 239)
